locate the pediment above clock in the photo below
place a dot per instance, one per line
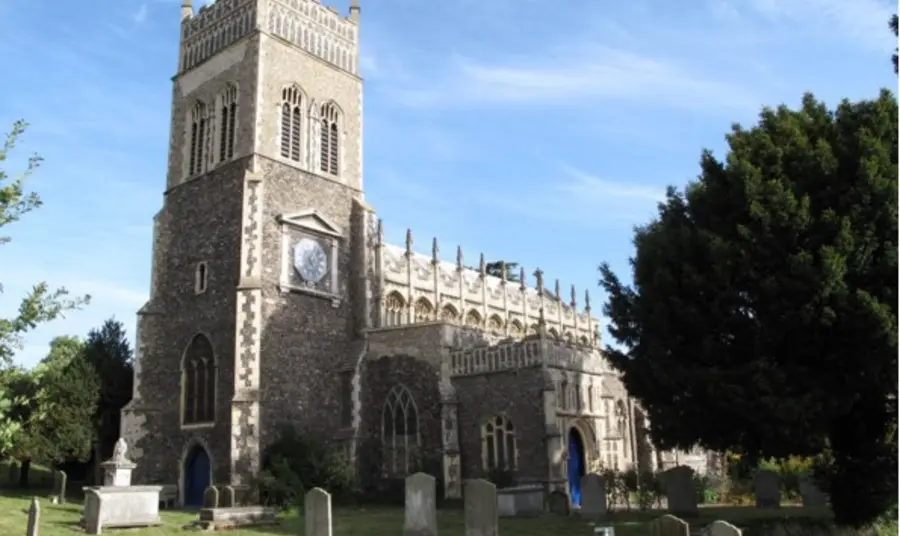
(311, 220)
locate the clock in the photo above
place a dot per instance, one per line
(310, 260)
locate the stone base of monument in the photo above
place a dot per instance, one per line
(120, 507)
(521, 501)
(236, 517)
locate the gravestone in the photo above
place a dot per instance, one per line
(60, 483)
(420, 511)
(227, 498)
(722, 528)
(34, 517)
(211, 497)
(558, 503)
(681, 496)
(767, 489)
(811, 494)
(593, 495)
(480, 504)
(669, 525)
(317, 512)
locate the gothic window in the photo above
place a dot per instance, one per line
(394, 309)
(583, 340)
(498, 444)
(198, 378)
(495, 325)
(291, 115)
(449, 314)
(197, 136)
(473, 319)
(399, 430)
(424, 312)
(330, 143)
(515, 328)
(577, 393)
(620, 418)
(590, 397)
(564, 395)
(227, 118)
(533, 329)
(553, 334)
(569, 337)
(201, 275)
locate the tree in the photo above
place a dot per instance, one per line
(893, 25)
(495, 268)
(762, 318)
(42, 304)
(63, 350)
(109, 351)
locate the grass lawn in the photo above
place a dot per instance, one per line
(62, 520)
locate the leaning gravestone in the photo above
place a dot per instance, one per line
(722, 528)
(593, 495)
(669, 525)
(480, 504)
(681, 496)
(211, 497)
(420, 511)
(34, 517)
(60, 483)
(317, 512)
(767, 489)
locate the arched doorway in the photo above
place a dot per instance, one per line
(575, 466)
(197, 476)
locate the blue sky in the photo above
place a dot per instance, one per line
(530, 133)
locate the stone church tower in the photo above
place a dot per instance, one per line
(264, 184)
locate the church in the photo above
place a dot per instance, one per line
(275, 299)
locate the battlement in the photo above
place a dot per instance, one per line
(420, 288)
(318, 29)
(528, 353)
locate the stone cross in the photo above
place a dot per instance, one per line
(481, 515)
(317, 516)
(34, 517)
(420, 511)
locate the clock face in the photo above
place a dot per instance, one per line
(310, 260)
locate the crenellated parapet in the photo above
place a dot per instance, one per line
(213, 28)
(415, 288)
(531, 352)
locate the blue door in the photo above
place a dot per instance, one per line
(196, 477)
(575, 466)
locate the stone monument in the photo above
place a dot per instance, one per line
(117, 503)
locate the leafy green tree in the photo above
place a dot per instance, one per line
(762, 318)
(41, 304)
(63, 350)
(109, 351)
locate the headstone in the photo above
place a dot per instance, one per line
(593, 495)
(480, 505)
(722, 528)
(34, 517)
(60, 483)
(227, 498)
(669, 525)
(317, 512)
(681, 496)
(420, 512)
(767, 489)
(211, 497)
(811, 494)
(92, 504)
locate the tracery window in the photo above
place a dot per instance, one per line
(498, 444)
(583, 340)
(495, 325)
(515, 328)
(399, 430)
(553, 334)
(394, 309)
(197, 139)
(291, 122)
(330, 143)
(227, 119)
(198, 382)
(423, 311)
(449, 314)
(473, 319)
(620, 418)
(569, 337)
(564, 394)
(533, 329)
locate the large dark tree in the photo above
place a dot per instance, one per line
(109, 351)
(893, 25)
(763, 314)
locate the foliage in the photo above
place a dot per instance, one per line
(42, 304)
(107, 349)
(763, 314)
(294, 465)
(893, 25)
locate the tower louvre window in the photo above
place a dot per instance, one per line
(227, 118)
(197, 139)
(291, 123)
(330, 140)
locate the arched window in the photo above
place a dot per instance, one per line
(515, 328)
(197, 137)
(227, 118)
(198, 379)
(330, 143)
(564, 394)
(201, 275)
(394, 309)
(583, 341)
(621, 417)
(291, 119)
(495, 325)
(553, 334)
(473, 319)
(399, 430)
(570, 339)
(424, 312)
(498, 444)
(449, 314)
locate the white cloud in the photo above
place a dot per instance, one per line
(140, 15)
